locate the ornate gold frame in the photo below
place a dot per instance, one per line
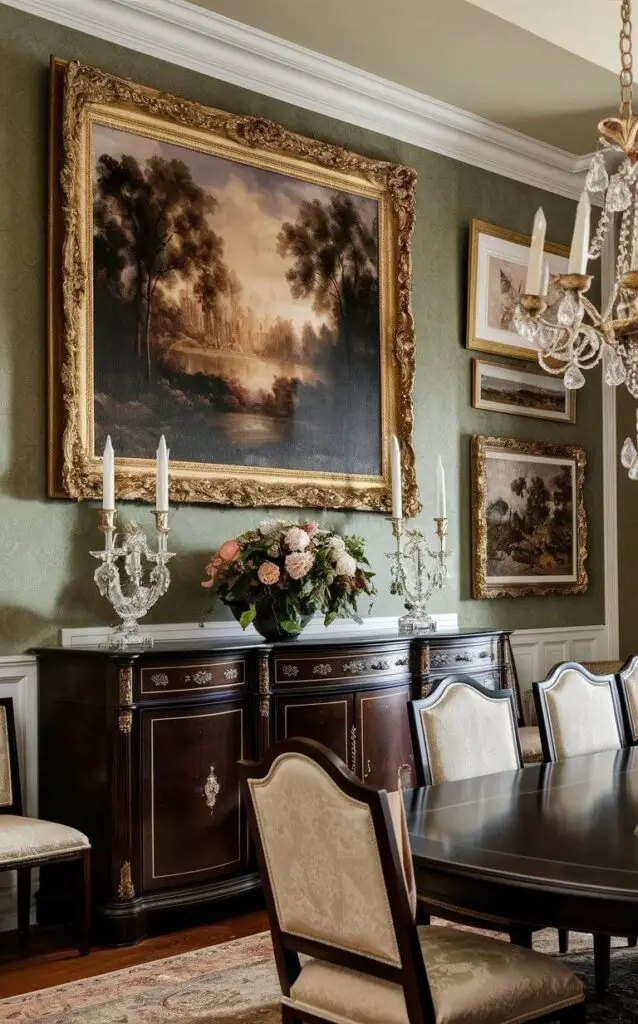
(80, 94)
(480, 587)
(480, 227)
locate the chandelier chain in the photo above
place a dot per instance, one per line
(626, 59)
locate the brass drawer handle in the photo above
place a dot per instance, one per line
(211, 790)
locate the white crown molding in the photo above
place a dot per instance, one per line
(195, 38)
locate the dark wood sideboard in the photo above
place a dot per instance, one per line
(138, 750)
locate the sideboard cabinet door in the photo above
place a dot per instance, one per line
(326, 719)
(384, 745)
(192, 816)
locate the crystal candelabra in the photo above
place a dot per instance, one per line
(130, 596)
(411, 579)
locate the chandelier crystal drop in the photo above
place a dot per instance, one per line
(554, 314)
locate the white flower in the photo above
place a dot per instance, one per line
(296, 539)
(268, 526)
(337, 546)
(299, 564)
(346, 565)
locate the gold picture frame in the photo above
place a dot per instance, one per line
(496, 273)
(526, 538)
(532, 393)
(83, 97)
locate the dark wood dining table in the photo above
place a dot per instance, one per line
(551, 845)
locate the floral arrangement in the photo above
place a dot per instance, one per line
(282, 573)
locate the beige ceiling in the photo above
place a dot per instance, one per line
(510, 61)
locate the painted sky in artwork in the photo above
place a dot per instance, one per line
(252, 205)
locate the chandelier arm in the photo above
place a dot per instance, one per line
(626, 62)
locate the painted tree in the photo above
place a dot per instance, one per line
(334, 255)
(151, 231)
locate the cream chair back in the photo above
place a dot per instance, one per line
(323, 861)
(578, 713)
(628, 688)
(463, 730)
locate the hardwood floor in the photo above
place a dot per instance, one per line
(52, 959)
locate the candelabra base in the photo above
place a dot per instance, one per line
(417, 621)
(128, 635)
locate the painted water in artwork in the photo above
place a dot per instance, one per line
(236, 310)
(530, 517)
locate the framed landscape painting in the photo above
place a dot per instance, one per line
(241, 289)
(497, 272)
(498, 387)
(528, 518)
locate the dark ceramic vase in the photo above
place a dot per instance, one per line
(267, 620)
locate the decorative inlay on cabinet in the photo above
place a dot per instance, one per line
(455, 656)
(193, 812)
(214, 675)
(336, 669)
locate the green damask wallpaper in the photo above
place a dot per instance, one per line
(45, 568)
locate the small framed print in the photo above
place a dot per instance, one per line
(497, 271)
(529, 530)
(498, 387)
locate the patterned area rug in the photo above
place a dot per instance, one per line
(236, 983)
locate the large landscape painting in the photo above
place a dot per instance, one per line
(528, 517)
(244, 291)
(236, 307)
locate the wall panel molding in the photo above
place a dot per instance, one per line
(192, 37)
(19, 680)
(537, 650)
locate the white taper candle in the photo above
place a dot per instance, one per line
(108, 476)
(161, 480)
(536, 254)
(397, 502)
(579, 252)
(441, 500)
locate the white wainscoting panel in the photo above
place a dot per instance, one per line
(537, 650)
(18, 679)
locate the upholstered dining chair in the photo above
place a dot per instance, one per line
(335, 892)
(26, 843)
(462, 730)
(627, 679)
(580, 713)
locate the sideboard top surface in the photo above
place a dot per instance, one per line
(233, 643)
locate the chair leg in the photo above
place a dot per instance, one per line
(24, 904)
(602, 963)
(521, 937)
(422, 914)
(632, 942)
(563, 940)
(84, 942)
(573, 1015)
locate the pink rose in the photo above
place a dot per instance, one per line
(299, 564)
(268, 573)
(296, 539)
(310, 528)
(212, 569)
(229, 551)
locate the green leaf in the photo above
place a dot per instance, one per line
(247, 617)
(289, 626)
(330, 617)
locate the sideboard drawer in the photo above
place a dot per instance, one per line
(192, 677)
(468, 655)
(340, 668)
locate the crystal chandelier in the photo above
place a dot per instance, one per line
(570, 334)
